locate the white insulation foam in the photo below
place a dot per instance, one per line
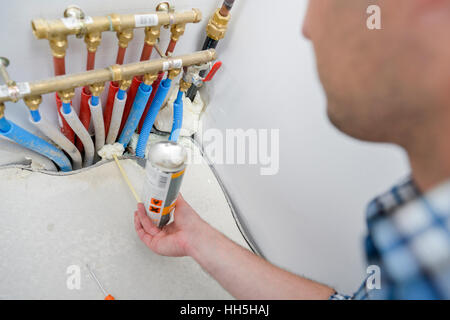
(109, 150)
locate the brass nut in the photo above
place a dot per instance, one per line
(125, 37)
(198, 15)
(33, 102)
(149, 78)
(217, 26)
(66, 95)
(2, 109)
(152, 34)
(93, 40)
(58, 46)
(125, 84)
(97, 88)
(184, 86)
(177, 30)
(173, 73)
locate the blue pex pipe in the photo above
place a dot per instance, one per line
(32, 142)
(177, 117)
(35, 115)
(136, 112)
(121, 94)
(95, 100)
(157, 102)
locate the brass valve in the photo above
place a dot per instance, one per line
(177, 30)
(66, 95)
(93, 40)
(97, 88)
(149, 78)
(152, 34)
(2, 110)
(33, 102)
(58, 45)
(173, 73)
(125, 84)
(184, 85)
(217, 26)
(125, 37)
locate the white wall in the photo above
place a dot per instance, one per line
(308, 218)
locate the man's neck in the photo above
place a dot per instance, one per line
(429, 155)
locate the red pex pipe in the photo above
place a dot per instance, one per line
(171, 47)
(59, 65)
(120, 55)
(65, 128)
(107, 114)
(155, 85)
(90, 65)
(146, 52)
(85, 113)
(112, 90)
(130, 100)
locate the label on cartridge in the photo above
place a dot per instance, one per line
(146, 20)
(160, 192)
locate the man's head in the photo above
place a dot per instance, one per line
(381, 84)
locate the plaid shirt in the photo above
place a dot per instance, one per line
(409, 240)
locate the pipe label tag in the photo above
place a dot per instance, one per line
(172, 64)
(15, 92)
(146, 20)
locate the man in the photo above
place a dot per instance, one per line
(390, 85)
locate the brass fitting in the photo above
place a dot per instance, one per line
(66, 95)
(33, 102)
(58, 45)
(173, 73)
(2, 110)
(184, 86)
(97, 88)
(152, 34)
(217, 26)
(177, 30)
(93, 40)
(124, 84)
(125, 37)
(149, 78)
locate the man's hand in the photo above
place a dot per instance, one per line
(240, 272)
(173, 239)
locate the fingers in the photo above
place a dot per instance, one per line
(145, 237)
(145, 221)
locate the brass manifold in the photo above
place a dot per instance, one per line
(113, 73)
(56, 31)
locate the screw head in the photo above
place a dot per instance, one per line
(4, 61)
